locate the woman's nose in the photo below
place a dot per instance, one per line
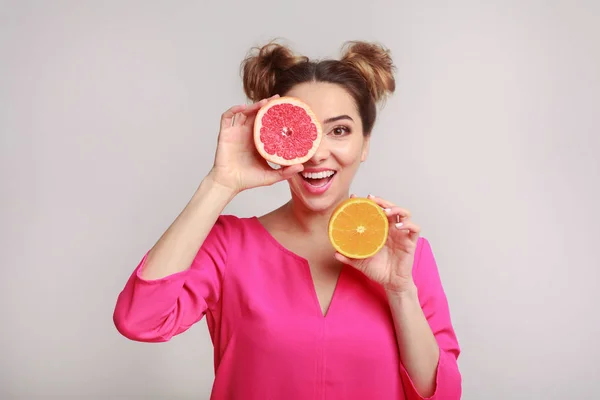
(321, 154)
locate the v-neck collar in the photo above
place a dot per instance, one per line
(308, 274)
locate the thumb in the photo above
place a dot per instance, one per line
(283, 173)
(358, 264)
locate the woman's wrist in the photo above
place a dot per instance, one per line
(406, 293)
(211, 186)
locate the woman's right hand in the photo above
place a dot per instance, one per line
(238, 165)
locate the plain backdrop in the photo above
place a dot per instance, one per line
(109, 113)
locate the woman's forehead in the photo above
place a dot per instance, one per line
(326, 100)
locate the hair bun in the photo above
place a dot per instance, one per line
(263, 65)
(375, 64)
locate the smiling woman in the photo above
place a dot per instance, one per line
(289, 316)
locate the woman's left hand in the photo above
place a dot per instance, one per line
(392, 265)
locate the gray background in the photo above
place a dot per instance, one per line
(108, 118)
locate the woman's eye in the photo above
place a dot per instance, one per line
(340, 130)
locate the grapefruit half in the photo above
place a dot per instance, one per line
(358, 228)
(286, 131)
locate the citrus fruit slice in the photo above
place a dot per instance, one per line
(358, 228)
(286, 131)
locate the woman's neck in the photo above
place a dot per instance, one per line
(300, 229)
(305, 220)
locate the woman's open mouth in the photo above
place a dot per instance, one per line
(317, 182)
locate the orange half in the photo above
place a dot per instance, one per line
(358, 228)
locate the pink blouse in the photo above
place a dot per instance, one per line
(271, 340)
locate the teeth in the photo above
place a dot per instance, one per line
(318, 175)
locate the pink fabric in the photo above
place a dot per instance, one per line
(271, 340)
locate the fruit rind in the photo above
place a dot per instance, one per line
(258, 124)
(340, 208)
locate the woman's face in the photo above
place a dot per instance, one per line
(327, 176)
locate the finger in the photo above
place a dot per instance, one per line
(251, 110)
(283, 173)
(289, 171)
(382, 202)
(397, 214)
(389, 205)
(358, 264)
(343, 259)
(352, 196)
(255, 106)
(227, 116)
(239, 119)
(409, 227)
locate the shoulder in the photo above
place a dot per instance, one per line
(426, 272)
(246, 245)
(424, 262)
(236, 230)
(423, 250)
(231, 237)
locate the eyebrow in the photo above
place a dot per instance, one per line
(339, 117)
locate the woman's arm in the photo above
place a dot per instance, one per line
(427, 343)
(419, 351)
(178, 246)
(180, 278)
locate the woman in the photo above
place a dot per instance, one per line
(290, 318)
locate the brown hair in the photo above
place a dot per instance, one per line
(365, 70)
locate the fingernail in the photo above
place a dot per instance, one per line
(370, 196)
(399, 224)
(387, 210)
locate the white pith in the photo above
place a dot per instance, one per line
(318, 175)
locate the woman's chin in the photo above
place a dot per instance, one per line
(319, 205)
(319, 199)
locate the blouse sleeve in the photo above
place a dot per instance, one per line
(435, 307)
(156, 310)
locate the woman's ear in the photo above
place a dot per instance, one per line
(365, 149)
